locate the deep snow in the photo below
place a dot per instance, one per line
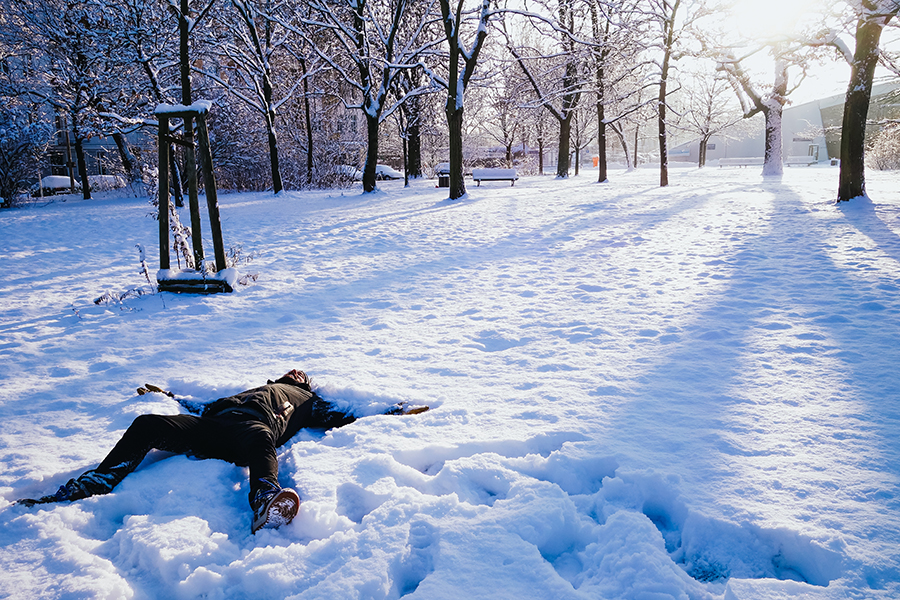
(686, 392)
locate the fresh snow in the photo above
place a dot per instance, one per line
(199, 107)
(637, 392)
(229, 276)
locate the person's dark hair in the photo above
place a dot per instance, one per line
(295, 377)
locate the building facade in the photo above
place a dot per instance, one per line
(812, 129)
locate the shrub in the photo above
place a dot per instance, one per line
(883, 152)
(21, 145)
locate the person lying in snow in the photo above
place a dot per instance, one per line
(244, 429)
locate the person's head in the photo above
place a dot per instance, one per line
(296, 377)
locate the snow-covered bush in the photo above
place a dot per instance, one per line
(21, 145)
(884, 152)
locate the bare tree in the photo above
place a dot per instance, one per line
(770, 104)
(707, 111)
(505, 122)
(618, 31)
(22, 141)
(583, 134)
(409, 118)
(463, 58)
(870, 18)
(600, 53)
(553, 71)
(367, 36)
(148, 74)
(537, 122)
(412, 86)
(667, 14)
(70, 42)
(247, 63)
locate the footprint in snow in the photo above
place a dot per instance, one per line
(417, 561)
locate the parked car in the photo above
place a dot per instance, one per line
(387, 172)
(61, 184)
(348, 172)
(54, 184)
(106, 182)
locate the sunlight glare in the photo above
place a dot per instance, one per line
(770, 19)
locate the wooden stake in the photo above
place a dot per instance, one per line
(212, 201)
(163, 192)
(190, 167)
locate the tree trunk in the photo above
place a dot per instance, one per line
(637, 137)
(70, 166)
(669, 44)
(701, 162)
(308, 118)
(369, 184)
(82, 166)
(540, 142)
(190, 162)
(414, 138)
(852, 178)
(405, 160)
(454, 122)
(661, 108)
(772, 109)
(616, 129)
(175, 178)
(774, 161)
(190, 158)
(184, 60)
(277, 185)
(600, 55)
(601, 140)
(562, 157)
(309, 143)
(129, 162)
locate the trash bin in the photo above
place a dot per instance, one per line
(444, 181)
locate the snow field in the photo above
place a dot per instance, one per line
(637, 393)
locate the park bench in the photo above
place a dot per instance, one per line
(804, 161)
(751, 161)
(480, 175)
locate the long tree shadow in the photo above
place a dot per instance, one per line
(861, 213)
(787, 376)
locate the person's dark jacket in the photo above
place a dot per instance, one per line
(285, 406)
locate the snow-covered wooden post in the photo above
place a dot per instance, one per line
(163, 192)
(212, 200)
(195, 281)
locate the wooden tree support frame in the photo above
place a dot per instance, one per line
(190, 281)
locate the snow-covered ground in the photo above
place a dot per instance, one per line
(642, 393)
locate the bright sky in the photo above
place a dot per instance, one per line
(762, 19)
(756, 19)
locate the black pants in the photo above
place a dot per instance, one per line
(238, 438)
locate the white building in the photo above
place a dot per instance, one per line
(811, 129)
